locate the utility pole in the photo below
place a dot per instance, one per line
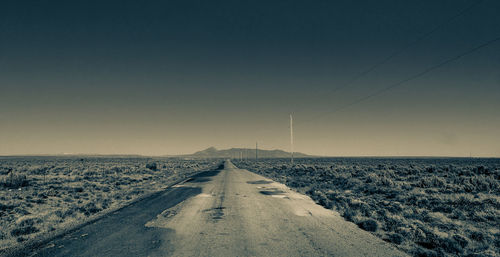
(256, 150)
(291, 137)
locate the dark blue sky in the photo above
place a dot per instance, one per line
(164, 77)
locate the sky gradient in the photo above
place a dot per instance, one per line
(171, 77)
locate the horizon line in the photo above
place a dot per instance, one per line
(311, 156)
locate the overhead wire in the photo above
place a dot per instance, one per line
(406, 47)
(408, 79)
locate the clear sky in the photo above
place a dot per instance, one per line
(168, 77)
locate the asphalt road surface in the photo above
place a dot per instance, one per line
(228, 212)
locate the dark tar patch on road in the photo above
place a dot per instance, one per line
(272, 191)
(198, 180)
(256, 182)
(205, 174)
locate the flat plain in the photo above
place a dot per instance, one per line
(421, 206)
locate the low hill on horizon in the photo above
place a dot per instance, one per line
(245, 153)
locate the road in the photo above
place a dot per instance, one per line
(228, 212)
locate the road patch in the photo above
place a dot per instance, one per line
(272, 191)
(260, 182)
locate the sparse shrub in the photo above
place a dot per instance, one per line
(21, 211)
(89, 209)
(431, 169)
(25, 227)
(396, 238)
(78, 189)
(462, 241)
(368, 225)
(451, 245)
(106, 203)
(5, 170)
(89, 174)
(321, 198)
(481, 170)
(423, 252)
(38, 171)
(52, 192)
(14, 181)
(434, 181)
(395, 207)
(351, 215)
(4, 207)
(477, 236)
(116, 170)
(152, 166)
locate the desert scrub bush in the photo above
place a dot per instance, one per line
(431, 182)
(25, 227)
(39, 170)
(14, 180)
(5, 170)
(152, 166)
(368, 225)
(89, 209)
(396, 238)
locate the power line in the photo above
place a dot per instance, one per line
(418, 75)
(406, 47)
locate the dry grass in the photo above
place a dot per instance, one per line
(40, 195)
(426, 207)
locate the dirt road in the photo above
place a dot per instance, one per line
(229, 212)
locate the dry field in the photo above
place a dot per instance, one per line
(426, 207)
(43, 194)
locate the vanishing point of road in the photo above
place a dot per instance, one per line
(227, 212)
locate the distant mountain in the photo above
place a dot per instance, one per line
(245, 153)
